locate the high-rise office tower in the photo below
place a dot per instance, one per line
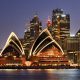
(60, 24)
(35, 27)
(32, 32)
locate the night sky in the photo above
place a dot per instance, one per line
(15, 14)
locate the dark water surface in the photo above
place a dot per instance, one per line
(52, 74)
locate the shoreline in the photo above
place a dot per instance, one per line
(39, 67)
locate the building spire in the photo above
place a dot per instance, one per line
(49, 22)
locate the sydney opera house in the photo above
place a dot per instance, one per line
(45, 51)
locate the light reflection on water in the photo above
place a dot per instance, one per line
(52, 74)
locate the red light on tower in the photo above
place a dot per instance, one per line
(49, 22)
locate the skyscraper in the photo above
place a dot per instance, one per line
(35, 27)
(32, 32)
(60, 24)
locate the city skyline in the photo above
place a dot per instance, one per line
(15, 14)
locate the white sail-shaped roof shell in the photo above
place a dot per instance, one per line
(15, 41)
(37, 46)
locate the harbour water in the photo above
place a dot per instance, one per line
(49, 74)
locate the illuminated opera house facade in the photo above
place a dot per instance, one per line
(45, 51)
(13, 52)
